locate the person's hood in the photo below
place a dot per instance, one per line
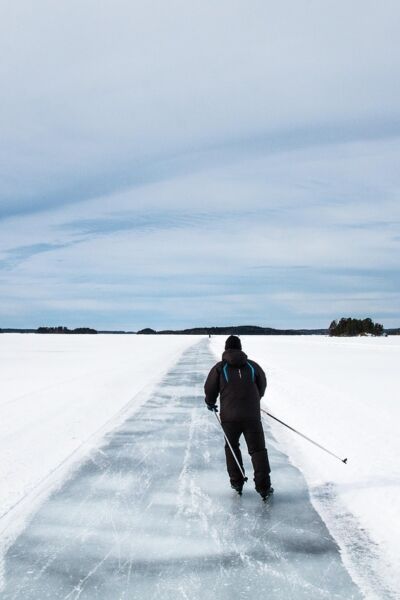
(235, 358)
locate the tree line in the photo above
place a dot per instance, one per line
(62, 329)
(348, 327)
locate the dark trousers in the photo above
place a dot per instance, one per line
(254, 436)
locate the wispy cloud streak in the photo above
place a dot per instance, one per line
(183, 163)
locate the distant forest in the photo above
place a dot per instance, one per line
(352, 327)
(233, 330)
(345, 327)
(61, 329)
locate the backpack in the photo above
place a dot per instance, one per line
(226, 376)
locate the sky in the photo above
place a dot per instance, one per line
(177, 164)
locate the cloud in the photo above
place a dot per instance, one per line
(182, 163)
(149, 90)
(19, 254)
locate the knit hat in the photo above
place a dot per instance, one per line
(233, 343)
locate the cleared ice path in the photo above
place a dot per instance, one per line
(151, 515)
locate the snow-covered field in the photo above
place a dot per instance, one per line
(151, 515)
(59, 395)
(344, 393)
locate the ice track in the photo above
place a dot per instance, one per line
(151, 516)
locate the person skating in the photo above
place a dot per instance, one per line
(240, 383)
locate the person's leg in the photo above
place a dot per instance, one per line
(233, 431)
(254, 436)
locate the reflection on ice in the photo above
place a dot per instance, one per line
(152, 516)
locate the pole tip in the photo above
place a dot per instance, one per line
(345, 461)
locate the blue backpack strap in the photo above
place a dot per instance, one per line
(225, 371)
(252, 372)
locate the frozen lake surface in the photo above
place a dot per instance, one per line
(151, 515)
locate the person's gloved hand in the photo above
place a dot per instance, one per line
(212, 407)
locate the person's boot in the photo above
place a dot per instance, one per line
(238, 486)
(265, 490)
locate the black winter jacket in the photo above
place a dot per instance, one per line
(241, 384)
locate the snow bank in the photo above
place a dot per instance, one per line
(344, 393)
(59, 394)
